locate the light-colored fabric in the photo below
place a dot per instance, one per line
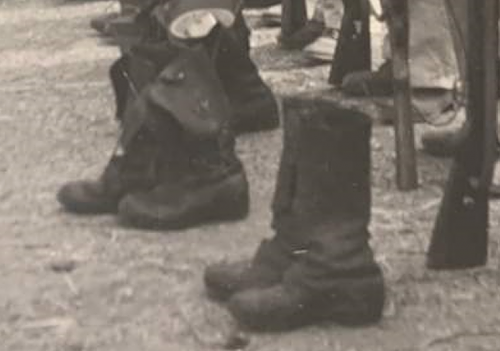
(376, 8)
(457, 15)
(321, 49)
(433, 63)
(329, 12)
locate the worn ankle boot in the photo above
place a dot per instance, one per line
(335, 277)
(205, 184)
(135, 167)
(202, 179)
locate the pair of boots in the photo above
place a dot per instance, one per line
(318, 266)
(177, 167)
(165, 179)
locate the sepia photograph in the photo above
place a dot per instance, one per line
(252, 175)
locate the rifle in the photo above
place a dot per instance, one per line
(293, 17)
(460, 236)
(353, 51)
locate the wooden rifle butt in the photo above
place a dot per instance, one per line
(294, 16)
(353, 51)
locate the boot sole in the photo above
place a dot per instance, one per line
(318, 313)
(218, 208)
(72, 205)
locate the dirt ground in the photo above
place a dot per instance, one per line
(86, 284)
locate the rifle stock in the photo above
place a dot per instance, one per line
(460, 236)
(293, 17)
(353, 51)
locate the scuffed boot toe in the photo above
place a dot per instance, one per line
(224, 279)
(265, 269)
(86, 197)
(179, 206)
(270, 309)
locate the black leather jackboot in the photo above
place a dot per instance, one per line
(334, 276)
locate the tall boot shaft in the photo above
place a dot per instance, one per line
(330, 210)
(253, 102)
(323, 218)
(333, 161)
(237, 71)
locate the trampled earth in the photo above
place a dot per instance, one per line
(84, 283)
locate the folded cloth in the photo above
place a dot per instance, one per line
(192, 19)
